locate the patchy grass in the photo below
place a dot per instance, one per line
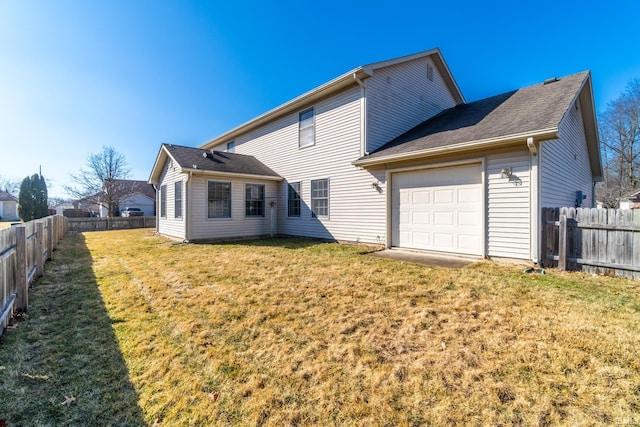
(294, 332)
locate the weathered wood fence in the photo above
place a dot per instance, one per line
(79, 225)
(24, 249)
(602, 241)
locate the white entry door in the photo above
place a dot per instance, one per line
(438, 209)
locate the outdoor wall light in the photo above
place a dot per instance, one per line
(505, 173)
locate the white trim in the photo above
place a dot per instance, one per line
(212, 174)
(484, 184)
(543, 134)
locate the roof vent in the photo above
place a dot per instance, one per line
(551, 80)
(207, 155)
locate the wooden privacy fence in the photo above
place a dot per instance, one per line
(603, 241)
(24, 249)
(80, 225)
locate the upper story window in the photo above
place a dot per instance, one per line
(254, 200)
(177, 200)
(163, 201)
(294, 200)
(306, 128)
(218, 199)
(320, 197)
(231, 147)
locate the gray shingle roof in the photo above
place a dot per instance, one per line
(530, 109)
(194, 158)
(7, 197)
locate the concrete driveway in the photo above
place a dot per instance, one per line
(425, 258)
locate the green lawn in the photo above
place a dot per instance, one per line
(128, 328)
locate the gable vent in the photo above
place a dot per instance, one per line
(429, 72)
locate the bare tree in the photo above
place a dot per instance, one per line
(620, 136)
(100, 181)
(10, 185)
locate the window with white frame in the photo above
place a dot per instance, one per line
(231, 147)
(320, 197)
(294, 200)
(218, 199)
(306, 124)
(254, 200)
(163, 201)
(177, 200)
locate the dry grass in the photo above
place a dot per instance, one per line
(293, 332)
(6, 224)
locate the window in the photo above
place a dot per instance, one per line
(306, 128)
(254, 200)
(163, 201)
(320, 197)
(294, 202)
(231, 147)
(218, 199)
(177, 200)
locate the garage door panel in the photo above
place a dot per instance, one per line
(421, 197)
(421, 218)
(443, 219)
(439, 209)
(469, 219)
(445, 196)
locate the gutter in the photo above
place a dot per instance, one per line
(231, 174)
(541, 135)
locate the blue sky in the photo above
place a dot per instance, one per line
(78, 75)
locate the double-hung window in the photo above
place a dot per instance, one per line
(163, 201)
(177, 200)
(231, 147)
(320, 197)
(294, 200)
(218, 199)
(306, 131)
(254, 200)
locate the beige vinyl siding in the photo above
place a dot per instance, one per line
(565, 165)
(400, 97)
(238, 226)
(356, 207)
(508, 205)
(170, 226)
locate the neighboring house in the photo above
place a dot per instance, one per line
(132, 194)
(391, 153)
(8, 206)
(632, 201)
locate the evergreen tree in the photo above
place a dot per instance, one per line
(32, 199)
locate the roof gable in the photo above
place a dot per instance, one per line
(199, 160)
(513, 116)
(340, 83)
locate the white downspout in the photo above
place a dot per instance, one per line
(187, 208)
(363, 116)
(155, 187)
(534, 200)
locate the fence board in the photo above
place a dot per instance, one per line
(605, 241)
(23, 250)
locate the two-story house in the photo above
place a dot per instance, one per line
(391, 153)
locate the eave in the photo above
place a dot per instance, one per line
(230, 175)
(540, 135)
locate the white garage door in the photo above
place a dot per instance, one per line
(438, 209)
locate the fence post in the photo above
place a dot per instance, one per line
(22, 285)
(562, 243)
(49, 238)
(40, 248)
